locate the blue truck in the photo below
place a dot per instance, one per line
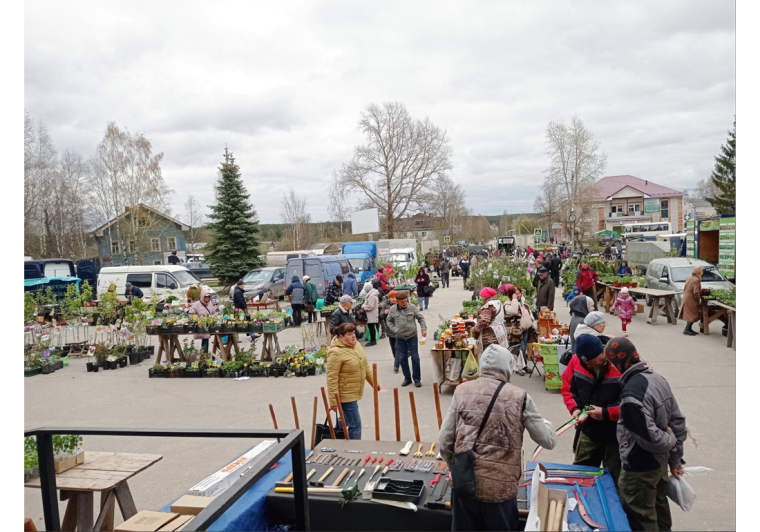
(362, 257)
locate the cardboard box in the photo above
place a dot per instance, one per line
(225, 477)
(146, 521)
(540, 499)
(68, 463)
(190, 504)
(177, 524)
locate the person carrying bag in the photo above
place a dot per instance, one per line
(484, 453)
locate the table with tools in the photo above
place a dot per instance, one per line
(388, 480)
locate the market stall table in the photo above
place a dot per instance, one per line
(713, 310)
(271, 347)
(656, 295)
(225, 348)
(168, 344)
(326, 512)
(263, 306)
(106, 473)
(440, 358)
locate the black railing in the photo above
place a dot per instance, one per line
(289, 440)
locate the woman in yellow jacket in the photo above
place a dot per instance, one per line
(347, 369)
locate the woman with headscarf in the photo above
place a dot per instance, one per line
(518, 312)
(690, 301)
(383, 281)
(366, 289)
(423, 281)
(203, 307)
(490, 323)
(579, 307)
(624, 270)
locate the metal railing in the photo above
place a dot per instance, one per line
(289, 440)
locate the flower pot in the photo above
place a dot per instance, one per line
(123, 362)
(104, 364)
(47, 369)
(634, 285)
(153, 374)
(615, 284)
(95, 368)
(151, 349)
(89, 367)
(133, 358)
(113, 364)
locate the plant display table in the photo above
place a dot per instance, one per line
(610, 295)
(715, 310)
(263, 306)
(225, 349)
(106, 473)
(168, 344)
(271, 347)
(667, 297)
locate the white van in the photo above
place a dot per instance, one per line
(159, 280)
(279, 259)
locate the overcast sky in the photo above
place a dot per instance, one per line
(283, 84)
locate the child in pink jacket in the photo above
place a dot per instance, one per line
(625, 305)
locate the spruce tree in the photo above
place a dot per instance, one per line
(234, 247)
(724, 177)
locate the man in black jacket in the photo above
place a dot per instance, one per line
(238, 298)
(342, 314)
(132, 292)
(544, 290)
(334, 291)
(555, 266)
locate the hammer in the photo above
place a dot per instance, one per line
(287, 482)
(321, 482)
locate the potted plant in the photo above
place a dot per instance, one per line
(157, 371)
(193, 371)
(113, 362)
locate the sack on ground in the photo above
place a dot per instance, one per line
(471, 370)
(453, 369)
(680, 492)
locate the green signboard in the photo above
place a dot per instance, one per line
(710, 225)
(727, 247)
(651, 205)
(691, 250)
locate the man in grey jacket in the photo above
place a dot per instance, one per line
(650, 432)
(497, 465)
(402, 325)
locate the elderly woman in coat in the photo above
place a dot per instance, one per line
(690, 301)
(346, 372)
(203, 307)
(372, 306)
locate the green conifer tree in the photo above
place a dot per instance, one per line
(234, 247)
(724, 177)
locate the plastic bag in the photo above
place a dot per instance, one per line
(471, 370)
(680, 492)
(453, 369)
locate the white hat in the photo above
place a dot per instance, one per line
(306, 278)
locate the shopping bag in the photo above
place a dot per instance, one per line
(366, 335)
(453, 369)
(680, 492)
(471, 370)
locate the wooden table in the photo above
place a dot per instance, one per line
(225, 349)
(169, 344)
(713, 310)
(271, 347)
(77, 348)
(263, 306)
(439, 358)
(106, 473)
(666, 295)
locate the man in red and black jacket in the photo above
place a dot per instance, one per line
(590, 380)
(586, 279)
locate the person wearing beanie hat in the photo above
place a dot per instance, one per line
(624, 305)
(590, 381)
(490, 322)
(651, 430)
(544, 290)
(132, 291)
(594, 325)
(402, 324)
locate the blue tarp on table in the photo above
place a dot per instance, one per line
(617, 514)
(249, 511)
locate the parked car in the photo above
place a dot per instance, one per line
(39, 269)
(159, 280)
(322, 270)
(260, 280)
(201, 269)
(671, 274)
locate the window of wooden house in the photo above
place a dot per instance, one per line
(155, 245)
(115, 247)
(171, 242)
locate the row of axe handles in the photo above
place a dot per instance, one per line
(377, 412)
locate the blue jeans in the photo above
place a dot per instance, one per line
(405, 348)
(424, 302)
(353, 419)
(524, 345)
(392, 341)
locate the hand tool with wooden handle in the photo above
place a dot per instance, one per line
(313, 491)
(287, 481)
(340, 477)
(431, 452)
(321, 482)
(377, 468)
(349, 477)
(418, 454)
(359, 476)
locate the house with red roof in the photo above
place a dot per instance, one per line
(626, 199)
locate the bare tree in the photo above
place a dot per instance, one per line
(505, 224)
(336, 202)
(446, 201)
(401, 158)
(125, 175)
(575, 163)
(705, 189)
(40, 168)
(296, 218)
(194, 218)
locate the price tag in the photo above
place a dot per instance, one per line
(183, 364)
